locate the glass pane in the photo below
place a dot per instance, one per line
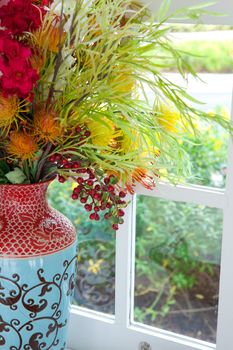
(95, 283)
(209, 52)
(211, 47)
(178, 247)
(208, 158)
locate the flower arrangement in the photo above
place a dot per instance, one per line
(74, 78)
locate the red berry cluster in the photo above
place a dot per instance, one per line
(67, 161)
(97, 192)
(101, 196)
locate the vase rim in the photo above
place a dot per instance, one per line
(28, 185)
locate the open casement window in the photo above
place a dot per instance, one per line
(187, 321)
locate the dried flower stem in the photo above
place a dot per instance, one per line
(58, 60)
(42, 161)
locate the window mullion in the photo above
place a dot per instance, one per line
(211, 197)
(124, 243)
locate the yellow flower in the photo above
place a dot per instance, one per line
(95, 267)
(169, 119)
(123, 81)
(128, 143)
(21, 145)
(133, 143)
(165, 263)
(10, 108)
(102, 132)
(46, 126)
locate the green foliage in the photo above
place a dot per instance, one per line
(175, 242)
(209, 56)
(16, 176)
(96, 242)
(208, 156)
(113, 43)
(4, 169)
(60, 199)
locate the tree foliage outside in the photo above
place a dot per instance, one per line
(209, 56)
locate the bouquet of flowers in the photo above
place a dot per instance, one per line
(74, 82)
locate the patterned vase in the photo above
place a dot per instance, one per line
(37, 261)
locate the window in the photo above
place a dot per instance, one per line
(114, 316)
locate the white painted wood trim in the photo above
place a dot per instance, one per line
(89, 332)
(211, 197)
(225, 312)
(124, 269)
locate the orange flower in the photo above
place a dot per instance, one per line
(114, 173)
(54, 39)
(37, 60)
(21, 145)
(46, 125)
(49, 37)
(10, 109)
(141, 176)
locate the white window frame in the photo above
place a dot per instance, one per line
(89, 330)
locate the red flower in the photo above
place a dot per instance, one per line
(11, 48)
(19, 16)
(16, 73)
(3, 2)
(18, 77)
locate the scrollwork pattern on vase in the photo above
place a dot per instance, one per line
(33, 310)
